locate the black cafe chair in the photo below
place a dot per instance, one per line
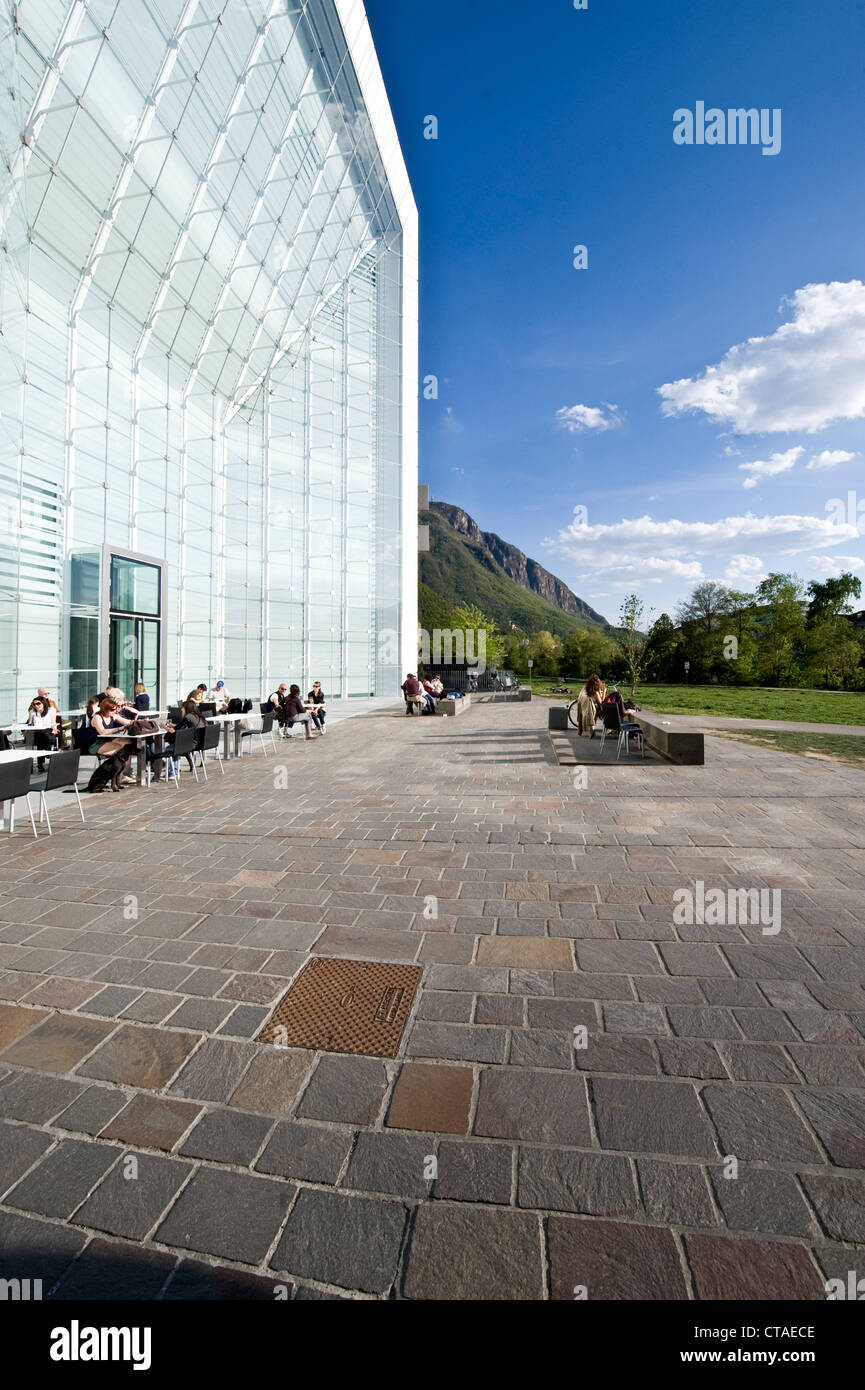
(182, 747)
(266, 730)
(208, 739)
(15, 782)
(62, 772)
(625, 731)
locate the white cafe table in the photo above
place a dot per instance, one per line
(227, 720)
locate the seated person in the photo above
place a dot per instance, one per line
(411, 689)
(297, 713)
(42, 718)
(429, 693)
(190, 718)
(198, 694)
(142, 699)
(437, 687)
(316, 700)
(277, 705)
(110, 719)
(219, 696)
(590, 705)
(625, 716)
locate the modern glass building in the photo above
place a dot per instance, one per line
(208, 352)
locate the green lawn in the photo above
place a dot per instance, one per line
(738, 702)
(840, 748)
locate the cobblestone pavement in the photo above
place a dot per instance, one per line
(151, 1148)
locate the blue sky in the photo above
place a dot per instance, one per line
(556, 130)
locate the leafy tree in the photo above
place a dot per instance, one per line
(831, 597)
(663, 647)
(781, 625)
(469, 619)
(705, 606)
(833, 652)
(545, 650)
(587, 652)
(632, 639)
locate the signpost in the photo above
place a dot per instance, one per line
(531, 664)
(687, 669)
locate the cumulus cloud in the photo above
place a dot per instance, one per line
(744, 569)
(806, 374)
(834, 564)
(652, 568)
(829, 458)
(579, 418)
(679, 550)
(768, 468)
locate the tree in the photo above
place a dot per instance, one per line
(781, 624)
(633, 640)
(586, 652)
(830, 597)
(544, 649)
(833, 652)
(707, 603)
(662, 648)
(481, 635)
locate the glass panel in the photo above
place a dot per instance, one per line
(134, 587)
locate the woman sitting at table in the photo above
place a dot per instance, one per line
(190, 718)
(42, 718)
(110, 720)
(316, 700)
(297, 713)
(590, 704)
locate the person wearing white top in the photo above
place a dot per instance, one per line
(42, 718)
(219, 696)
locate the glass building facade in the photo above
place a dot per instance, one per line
(208, 352)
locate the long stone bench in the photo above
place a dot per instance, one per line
(684, 746)
(454, 707)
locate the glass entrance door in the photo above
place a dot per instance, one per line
(134, 632)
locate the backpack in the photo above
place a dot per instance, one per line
(107, 773)
(144, 726)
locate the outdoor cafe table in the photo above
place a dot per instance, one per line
(140, 741)
(226, 720)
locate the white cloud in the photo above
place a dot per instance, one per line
(747, 568)
(834, 564)
(770, 467)
(829, 457)
(651, 568)
(577, 418)
(807, 373)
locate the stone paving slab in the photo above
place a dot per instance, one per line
(578, 1068)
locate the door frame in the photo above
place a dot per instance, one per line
(105, 612)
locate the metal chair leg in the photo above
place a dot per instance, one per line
(43, 807)
(78, 799)
(219, 760)
(32, 821)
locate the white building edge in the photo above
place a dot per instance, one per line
(209, 351)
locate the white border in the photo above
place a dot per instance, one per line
(352, 17)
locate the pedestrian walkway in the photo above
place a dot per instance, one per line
(593, 1090)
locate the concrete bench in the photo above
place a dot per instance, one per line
(454, 707)
(684, 746)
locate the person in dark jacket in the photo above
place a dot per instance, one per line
(142, 699)
(297, 713)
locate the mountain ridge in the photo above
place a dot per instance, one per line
(467, 564)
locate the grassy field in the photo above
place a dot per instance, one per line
(835, 748)
(738, 702)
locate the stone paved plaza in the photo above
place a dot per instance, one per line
(151, 1148)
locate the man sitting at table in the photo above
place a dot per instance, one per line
(220, 697)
